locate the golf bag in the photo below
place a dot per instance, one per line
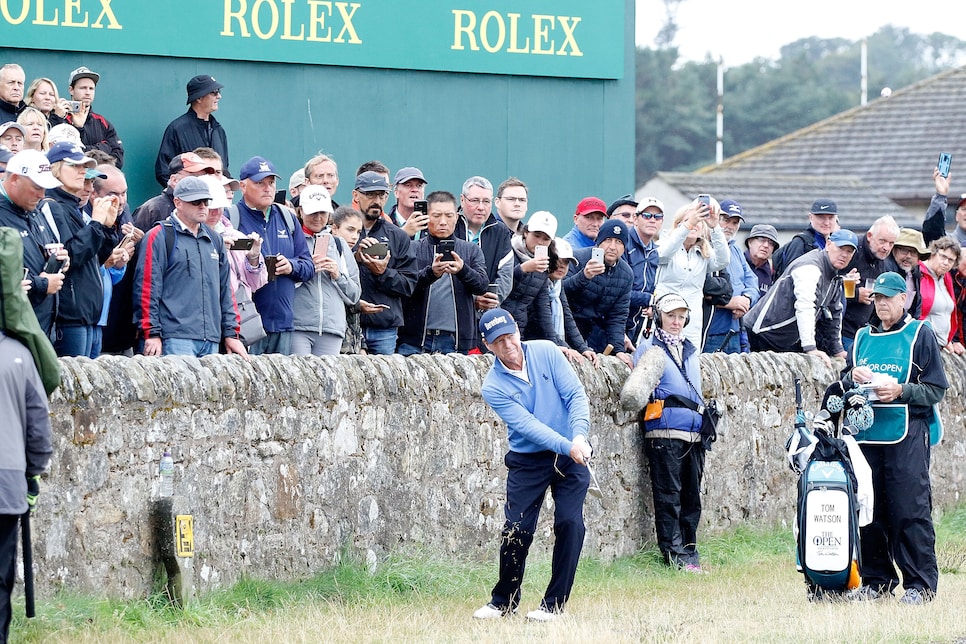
(827, 517)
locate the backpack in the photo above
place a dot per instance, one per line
(780, 259)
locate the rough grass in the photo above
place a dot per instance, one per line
(752, 594)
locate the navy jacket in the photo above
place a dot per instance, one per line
(186, 133)
(89, 246)
(396, 284)
(274, 300)
(185, 293)
(469, 281)
(34, 233)
(529, 303)
(99, 134)
(643, 260)
(600, 305)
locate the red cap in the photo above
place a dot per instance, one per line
(591, 204)
(962, 200)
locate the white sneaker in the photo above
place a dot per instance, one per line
(542, 615)
(490, 612)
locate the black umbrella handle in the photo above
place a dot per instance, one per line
(798, 394)
(28, 565)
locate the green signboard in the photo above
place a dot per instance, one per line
(561, 38)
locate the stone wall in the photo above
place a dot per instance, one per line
(286, 463)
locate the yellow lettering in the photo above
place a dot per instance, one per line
(541, 33)
(287, 32)
(318, 21)
(568, 28)
(256, 22)
(461, 28)
(484, 31)
(347, 23)
(514, 48)
(71, 7)
(111, 18)
(24, 10)
(237, 15)
(39, 20)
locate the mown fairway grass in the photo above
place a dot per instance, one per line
(752, 594)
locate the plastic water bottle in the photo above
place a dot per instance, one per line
(167, 474)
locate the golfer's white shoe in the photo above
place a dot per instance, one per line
(542, 615)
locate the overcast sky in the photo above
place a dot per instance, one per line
(740, 30)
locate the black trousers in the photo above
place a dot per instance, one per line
(677, 468)
(901, 533)
(9, 524)
(528, 477)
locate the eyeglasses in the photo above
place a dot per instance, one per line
(477, 201)
(947, 258)
(375, 194)
(650, 215)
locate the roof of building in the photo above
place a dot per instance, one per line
(873, 160)
(892, 143)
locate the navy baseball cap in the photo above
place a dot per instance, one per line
(731, 208)
(824, 207)
(496, 322)
(371, 182)
(257, 168)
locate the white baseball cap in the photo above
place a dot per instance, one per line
(34, 165)
(672, 302)
(315, 199)
(543, 222)
(564, 249)
(217, 189)
(650, 201)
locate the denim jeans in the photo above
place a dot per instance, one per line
(74, 340)
(380, 341)
(441, 343)
(186, 347)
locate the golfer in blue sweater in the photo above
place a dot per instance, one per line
(533, 388)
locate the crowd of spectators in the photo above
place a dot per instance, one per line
(413, 276)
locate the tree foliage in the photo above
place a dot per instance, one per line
(813, 79)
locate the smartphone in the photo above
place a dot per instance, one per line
(421, 206)
(446, 248)
(493, 288)
(322, 245)
(597, 254)
(377, 250)
(125, 241)
(75, 106)
(243, 243)
(944, 160)
(53, 265)
(705, 199)
(540, 252)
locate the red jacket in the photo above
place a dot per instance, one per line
(928, 288)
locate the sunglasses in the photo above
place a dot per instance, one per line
(650, 215)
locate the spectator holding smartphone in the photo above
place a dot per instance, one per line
(440, 316)
(320, 303)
